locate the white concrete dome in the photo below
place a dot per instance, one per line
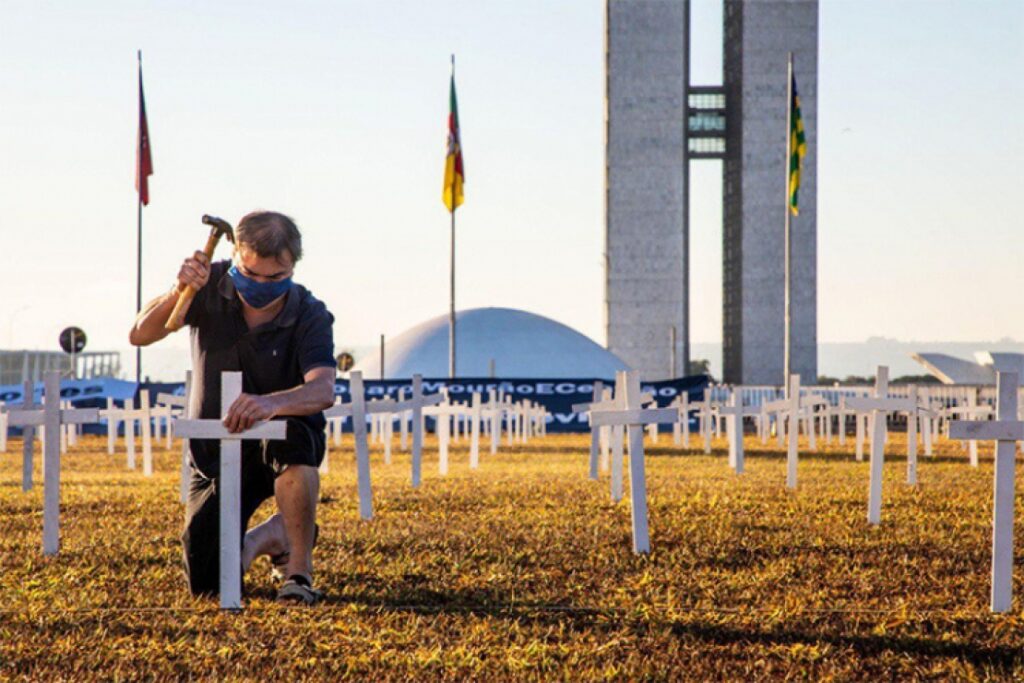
(522, 345)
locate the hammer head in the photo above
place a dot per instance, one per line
(220, 227)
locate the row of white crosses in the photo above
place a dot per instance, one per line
(358, 409)
(129, 415)
(443, 414)
(51, 417)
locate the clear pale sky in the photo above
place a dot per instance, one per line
(335, 113)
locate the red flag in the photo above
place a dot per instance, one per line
(143, 160)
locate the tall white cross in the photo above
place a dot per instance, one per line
(50, 418)
(358, 409)
(880, 405)
(230, 481)
(1006, 430)
(631, 414)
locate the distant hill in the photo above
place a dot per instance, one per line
(841, 359)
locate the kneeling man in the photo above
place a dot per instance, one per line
(249, 316)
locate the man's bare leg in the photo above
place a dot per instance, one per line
(297, 491)
(266, 539)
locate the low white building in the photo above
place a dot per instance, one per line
(953, 370)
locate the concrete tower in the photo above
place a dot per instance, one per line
(647, 53)
(657, 122)
(758, 36)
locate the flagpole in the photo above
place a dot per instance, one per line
(788, 296)
(138, 255)
(451, 301)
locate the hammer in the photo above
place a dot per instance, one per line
(218, 227)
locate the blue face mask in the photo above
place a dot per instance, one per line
(258, 294)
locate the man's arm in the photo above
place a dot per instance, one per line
(150, 324)
(316, 393)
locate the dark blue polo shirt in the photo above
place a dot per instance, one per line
(272, 357)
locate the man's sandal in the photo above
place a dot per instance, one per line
(297, 590)
(280, 562)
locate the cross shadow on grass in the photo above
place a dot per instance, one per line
(413, 594)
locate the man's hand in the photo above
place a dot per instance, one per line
(195, 271)
(150, 323)
(247, 410)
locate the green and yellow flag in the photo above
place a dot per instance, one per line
(454, 174)
(797, 147)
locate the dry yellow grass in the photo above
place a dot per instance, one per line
(524, 569)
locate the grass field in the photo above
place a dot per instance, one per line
(524, 569)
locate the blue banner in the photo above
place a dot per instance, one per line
(556, 395)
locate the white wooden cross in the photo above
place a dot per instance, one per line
(970, 411)
(492, 412)
(182, 403)
(606, 432)
(230, 481)
(28, 435)
(1006, 430)
(923, 414)
(167, 409)
(51, 417)
(763, 421)
(113, 415)
(681, 427)
(809, 406)
(130, 414)
(380, 414)
(416, 404)
(609, 437)
(403, 423)
(442, 414)
(3, 427)
(631, 415)
(473, 415)
(595, 432)
(335, 427)
(734, 414)
(705, 413)
(358, 409)
(787, 412)
(842, 412)
(880, 405)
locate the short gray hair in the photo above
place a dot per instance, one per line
(269, 234)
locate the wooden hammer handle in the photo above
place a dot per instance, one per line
(187, 292)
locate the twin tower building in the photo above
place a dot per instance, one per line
(657, 122)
